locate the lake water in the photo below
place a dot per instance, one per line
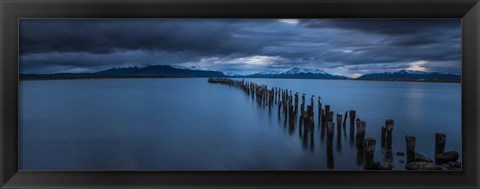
(190, 124)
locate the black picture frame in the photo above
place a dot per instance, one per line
(12, 10)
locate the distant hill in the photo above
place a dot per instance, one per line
(294, 73)
(406, 75)
(300, 73)
(148, 71)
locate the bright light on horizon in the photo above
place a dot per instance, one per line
(417, 66)
(289, 21)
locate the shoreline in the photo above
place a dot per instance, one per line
(176, 77)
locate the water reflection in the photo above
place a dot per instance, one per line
(226, 124)
(330, 161)
(295, 116)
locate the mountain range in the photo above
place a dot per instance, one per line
(300, 73)
(407, 75)
(147, 71)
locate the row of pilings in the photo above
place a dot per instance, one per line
(292, 107)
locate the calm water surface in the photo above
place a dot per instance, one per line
(190, 124)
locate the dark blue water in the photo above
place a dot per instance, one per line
(190, 124)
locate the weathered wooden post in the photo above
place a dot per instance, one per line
(410, 144)
(296, 103)
(360, 157)
(324, 118)
(322, 133)
(352, 114)
(369, 152)
(339, 141)
(339, 123)
(330, 116)
(440, 140)
(389, 130)
(383, 133)
(361, 128)
(319, 104)
(302, 107)
(310, 113)
(352, 117)
(339, 131)
(330, 132)
(327, 109)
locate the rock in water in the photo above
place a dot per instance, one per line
(400, 153)
(452, 166)
(380, 165)
(422, 166)
(383, 165)
(447, 157)
(422, 158)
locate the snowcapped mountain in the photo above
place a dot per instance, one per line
(297, 73)
(272, 72)
(179, 67)
(234, 74)
(297, 70)
(408, 75)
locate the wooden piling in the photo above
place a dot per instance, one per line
(440, 140)
(330, 132)
(339, 126)
(330, 116)
(360, 157)
(339, 123)
(323, 118)
(319, 104)
(352, 115)
(410, 147)
(369, 153)
(296, 103)
(382, 136)
(322, 132)
(352, 127)
(389, 130)
(339, 139)
(361, 128)
(302, 108)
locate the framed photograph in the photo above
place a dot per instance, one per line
(342, 94)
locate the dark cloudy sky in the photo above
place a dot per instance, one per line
(350, 47)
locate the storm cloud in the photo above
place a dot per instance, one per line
(240, 46)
